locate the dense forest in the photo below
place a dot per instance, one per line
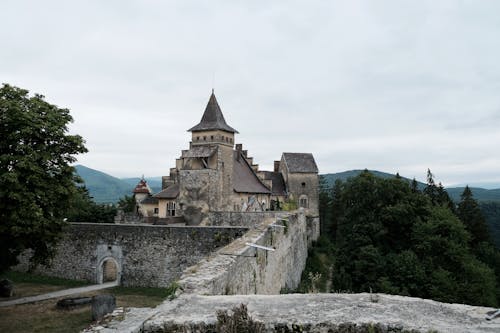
(389, 235)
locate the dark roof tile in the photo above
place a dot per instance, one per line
(149, 201)
(170, 192)
(212, 118)
(244, 178)
(278, 183)
(300, 162)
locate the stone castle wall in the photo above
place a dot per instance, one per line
(242, 269)
(145, 255)
(245, 219)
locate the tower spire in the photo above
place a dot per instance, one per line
(212, 119)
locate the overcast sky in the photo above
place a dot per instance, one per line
(397, 86)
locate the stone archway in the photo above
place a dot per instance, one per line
(108, 270)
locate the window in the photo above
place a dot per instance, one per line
(211, 137)
(204, 138)
(156, 211)
(171, 208)
(222, 138)
(231, 140)
(197, 138)
(303, 184)
(303, 201)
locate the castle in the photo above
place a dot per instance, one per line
(217, 175)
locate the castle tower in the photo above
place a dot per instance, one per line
(213, 128)
(206, 169)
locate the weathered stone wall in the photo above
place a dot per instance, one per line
(310, 189)
(241, 269)
(197, 193)
(246, 219)
(145, 255)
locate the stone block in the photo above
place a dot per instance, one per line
(102, 305)
(6, 288)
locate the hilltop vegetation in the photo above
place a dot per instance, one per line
(488, 199)
(104, 188)
(387, 235)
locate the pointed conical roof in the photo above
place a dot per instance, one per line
(142, 187)
(212, 118)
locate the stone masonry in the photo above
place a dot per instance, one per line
(146, 255)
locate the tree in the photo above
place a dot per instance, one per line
(83, 209)
(437, 193)
(127, 204)
(470, 214)
(36, 180)
(394, 239)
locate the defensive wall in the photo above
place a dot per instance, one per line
(144, 255)
(239, 268)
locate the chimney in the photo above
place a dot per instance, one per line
(276, 166)
(239, 147)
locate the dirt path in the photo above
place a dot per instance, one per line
(59, 293)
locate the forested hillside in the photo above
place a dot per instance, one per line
(104, 188)
(489, 199)
(388, 235)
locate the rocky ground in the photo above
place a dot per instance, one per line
(310, 313)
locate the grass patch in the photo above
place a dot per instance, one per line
(316, 276)
(45, 317)
(19, 277)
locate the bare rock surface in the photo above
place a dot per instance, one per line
(324, 312)
(310, 313)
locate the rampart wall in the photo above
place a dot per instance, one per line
(246, 219)
(242, 269)
(146, 255)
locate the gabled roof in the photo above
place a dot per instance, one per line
(142, 187)
(244, 178)
(170, 192)
(199, 151)
(300, 162)
(212, 118)
(277, 181)
(149, 201)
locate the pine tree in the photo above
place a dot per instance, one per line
(474, 221)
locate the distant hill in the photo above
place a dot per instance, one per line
(330, 178)
(480, 194)
(103, 187)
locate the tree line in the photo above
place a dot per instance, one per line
(388, 236)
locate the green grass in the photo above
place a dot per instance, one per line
(319, 263)
(45, 317)
(19, 277)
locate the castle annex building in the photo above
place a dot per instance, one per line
(217, 175)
